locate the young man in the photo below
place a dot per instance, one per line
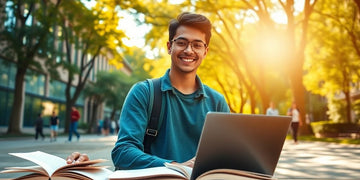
(187, 101)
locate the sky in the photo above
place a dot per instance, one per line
(133, 31)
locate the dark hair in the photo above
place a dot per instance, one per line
(196, 21)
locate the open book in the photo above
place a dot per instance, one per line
(53, 167)
(178, 171)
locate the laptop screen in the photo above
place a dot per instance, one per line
(241, 141)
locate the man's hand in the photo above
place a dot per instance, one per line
(189, 163)
(76, 157)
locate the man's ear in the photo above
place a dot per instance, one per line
(206, 50)
(168, 44)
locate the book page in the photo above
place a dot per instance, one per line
(224, 176)
(98, 174)
(84, 164)
(233, 173)
(185, 170)
(33, 176)
(155, 172)
(49, 162)
(34, 169)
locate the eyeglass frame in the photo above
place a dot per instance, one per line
(191, 43)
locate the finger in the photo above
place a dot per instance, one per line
(189, 163)
(82, 158)
(73, 157)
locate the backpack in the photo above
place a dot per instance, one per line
(155, 117)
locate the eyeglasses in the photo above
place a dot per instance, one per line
(196, 45)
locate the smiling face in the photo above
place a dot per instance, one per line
(186, 60)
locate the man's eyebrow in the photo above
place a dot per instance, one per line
(199, 40)
(182, 38)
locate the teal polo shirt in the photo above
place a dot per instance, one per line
(180, 130)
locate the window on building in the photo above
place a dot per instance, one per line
(6, 101)
(57, 90)
(7, 74)
(81, 98)
(35, 83)
(32, 106)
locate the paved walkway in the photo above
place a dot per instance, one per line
(307, 160)
(319, 160)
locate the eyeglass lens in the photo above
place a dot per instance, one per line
(184, 43)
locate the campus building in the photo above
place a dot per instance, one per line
(43, 93)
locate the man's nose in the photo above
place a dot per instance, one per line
(189, 48)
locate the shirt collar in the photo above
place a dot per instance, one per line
(167, 86)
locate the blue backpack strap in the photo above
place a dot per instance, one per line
(153, 123)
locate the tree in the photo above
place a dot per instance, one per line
(25, 40)
(122, 83)
(334, 64)
(95, 91)
(296, 57)
(141, 65)
(95, 34)
(118, 91)
(235, 23)
(111, 87)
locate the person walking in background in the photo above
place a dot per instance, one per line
(112, 127)
(75, 116)
(106, 126)
(54, 126)
(295, 122)
(271, 110)
(39, 127)
(99, 127)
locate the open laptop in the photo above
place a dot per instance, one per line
(241, 141)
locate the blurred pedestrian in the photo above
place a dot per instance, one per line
(106, 126)
(271, 110)
(75, 116)
(295, 122)
(39, 127)
(54, 126)
(112, 127)
(99, 127)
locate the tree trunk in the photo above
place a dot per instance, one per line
(348, 107)
(358, 4)
(296, 67)
(299, 96)
(93, 119)
(252, 101)
(68, 116)
(112, 116)
(16, 111)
